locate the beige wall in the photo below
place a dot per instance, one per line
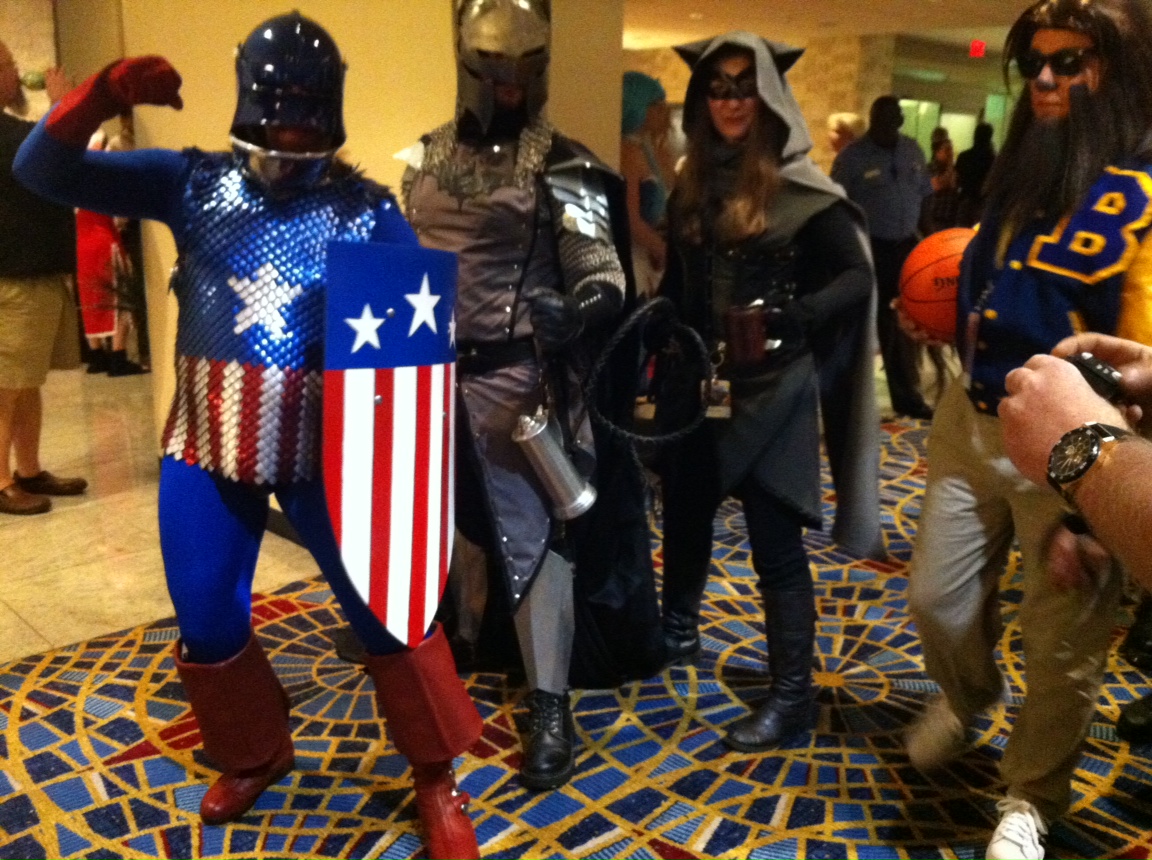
(843, 74)
(587, 64)
(89, 34)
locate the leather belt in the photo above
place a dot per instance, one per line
(475, 358)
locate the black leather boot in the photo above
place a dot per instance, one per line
(790, 622)
(548, 741)
(682, 594)
(681, 638)
(1135, 722)
(120, 365)
(1137, 645)
(690, 488)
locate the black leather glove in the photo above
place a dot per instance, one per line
(558, 320)
(789, 325)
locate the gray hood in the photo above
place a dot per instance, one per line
(772, 60)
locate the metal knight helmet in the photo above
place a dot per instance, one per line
(501, 42)
(290, 75)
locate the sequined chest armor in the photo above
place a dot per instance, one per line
(249, 342)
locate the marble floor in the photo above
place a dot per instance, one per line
(92, 565)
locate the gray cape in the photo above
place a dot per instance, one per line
(845, 362)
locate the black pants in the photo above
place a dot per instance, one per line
(900, 353)
(691, 495)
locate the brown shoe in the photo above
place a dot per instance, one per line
(14, 500)
(47, 484)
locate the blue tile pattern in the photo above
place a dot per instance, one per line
(99, 753)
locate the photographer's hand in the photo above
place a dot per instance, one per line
(1133, 360)
(1047, 398)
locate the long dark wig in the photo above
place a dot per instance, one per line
(1035, 177)
(742, 212)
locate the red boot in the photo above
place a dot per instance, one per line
(431, 719)
(243, 715)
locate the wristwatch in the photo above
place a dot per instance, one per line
(1077, 451)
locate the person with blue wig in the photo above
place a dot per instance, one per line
(646, 165)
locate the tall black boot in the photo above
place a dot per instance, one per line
(790, 623)
(691, 494)
(682, 594)
(1135, 722)
(1137, 645)
(687, 562)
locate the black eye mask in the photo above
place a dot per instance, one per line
(742, 86)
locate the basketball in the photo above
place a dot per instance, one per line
(929, 280)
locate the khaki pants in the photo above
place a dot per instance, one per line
(974, 502)
(39, 329)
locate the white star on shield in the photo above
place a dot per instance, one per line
(365, 326)
(423, 302)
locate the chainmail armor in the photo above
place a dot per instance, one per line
(249, 343)
(461, 171)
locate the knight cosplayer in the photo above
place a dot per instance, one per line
(530, 215)
(252, 228)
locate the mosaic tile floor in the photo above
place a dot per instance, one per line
(99, 758)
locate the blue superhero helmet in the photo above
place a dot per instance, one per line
(290, 75)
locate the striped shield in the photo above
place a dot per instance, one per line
(388, 438)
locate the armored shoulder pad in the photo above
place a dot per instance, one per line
(413, 155)
(578, 188)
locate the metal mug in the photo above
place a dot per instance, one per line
(539, 437)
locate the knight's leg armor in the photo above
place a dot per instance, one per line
(545, 626)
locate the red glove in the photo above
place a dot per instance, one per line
(111, 92)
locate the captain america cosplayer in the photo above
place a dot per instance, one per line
(251, 228)
(530, 215)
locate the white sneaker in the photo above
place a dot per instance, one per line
(938, 736)
(1017, 836)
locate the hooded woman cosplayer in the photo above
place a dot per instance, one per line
(758, 232)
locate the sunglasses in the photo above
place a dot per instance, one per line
(724, 87)
(1066, 63)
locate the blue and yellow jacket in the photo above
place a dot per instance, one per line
(1091, 271)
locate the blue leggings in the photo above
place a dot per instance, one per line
(210, 533)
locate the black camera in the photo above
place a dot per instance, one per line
(1103, 377)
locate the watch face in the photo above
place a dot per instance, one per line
(1072, 456)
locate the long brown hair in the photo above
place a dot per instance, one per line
(744, 210)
